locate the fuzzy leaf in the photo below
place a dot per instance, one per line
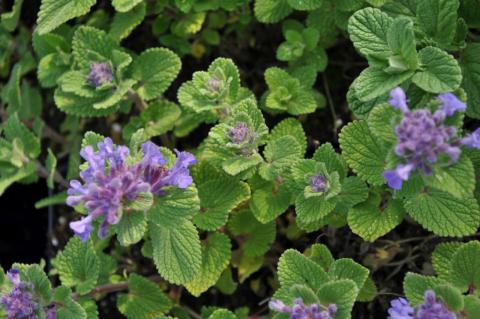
(415, 286)
(145, 299)
(471, 78)
(342, 293)
(215, 258)
(442, 258)
(348, 269)
(290, 126)
(131, 228)
(78, 265)
(125, 5)
(305, 4)
(271, 11)
(10, 19)
(465, 266)
(125, 22)
(374, 82)
(92, 45)
(269, 200)
(67, 307)
(53, 13)
(438, 18)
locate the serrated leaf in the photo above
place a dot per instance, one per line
(354, 191)
(176, 206)
(415, 285)
(125, 5)
(443, 213)
(125, 22)
(320, 254)
(438, 19)
(145, 299)
(290, 126)
(67, 308)
(465, 266)
(451, 296)
(305, 4)
(346, 268)
(176, 250)
(363, 152)
(131, 228)
(280, 154)
(368, 30)
(13, 128)
(370, 221)
(442, 258)
(269, 200)
(92, 45)
(382, 121)
(333, 161)
(23, 172)
(218, 197)
(35, 275)
(374, 82)
(313, 209)
(78, 265)
(215, 258)
(401, 40)
(472, 307)
(368, 292)
(271, 11)
(471, 78)
(222, 314)
(342, 293)
(156, 68)
(53, 13)
(439, 73)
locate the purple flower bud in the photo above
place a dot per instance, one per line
(400, 309)
(111, 183)
(472, 140)
(318, 183)
(100, 73)
(451, 104)
(398, 99)
(302, 311)
(433, 309)
(240, 133)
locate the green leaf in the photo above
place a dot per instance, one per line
(222, 314)
(67, 308)
(56, 199)
(333, 161)
(155, 68)
(50, 68)
(320, 254)
(34, 274)
(280, 154)
(374, 82)
(472, 307)
(125, 22)
(368, 30)
(363, 152)
(77, 265)
(92, 45)
(444, 214)
(438, 18)
(125, 5)
(8, 179)
(465, 266)
(348, 269)
(269, 200)
(10, 19)
(368, 292)
(415, 285)
(342, 293)
(312, 209)
(382, 121)
(442, 258)
(258, 237)
(290, 126)
(177, 205)
(131, 228)
(145, 299)
(176, 250)
(51, 165)
(401, 40)
(271, 11)
(54, 13)
(452, 297)
(439, 72)
(305, 4)
(471, 78)
(296, 269)
(15, 129)
(215, 258)
(218, 197)
(372, 219)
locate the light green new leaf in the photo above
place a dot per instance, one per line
(78, 265)
(125, 5)
(368, 30)
(92, 45)
(439, 71)
(271, 11)
(54, 13)
(363, 153)
(176, 250)
(333, 161)
(444, 214)
(370, 221)
(465, 266)
(155, 68)
(438, 18)
(131, 228)
(215, 258)
(442, 258)
(145, 299)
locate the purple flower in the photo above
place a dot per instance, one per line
(433, 309)
(400, 309)
(451, 104)
(240, 133)
(398, 99)
(100, 73)
(318, 183)
(423, 138)
(19, 303)
(472, 140)
(110, 183)
(301, 311)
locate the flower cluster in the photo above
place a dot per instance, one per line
(431, 308)
(423, 138)
(111, 183)
(100, 73)
(19, 303)
(301, 311)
